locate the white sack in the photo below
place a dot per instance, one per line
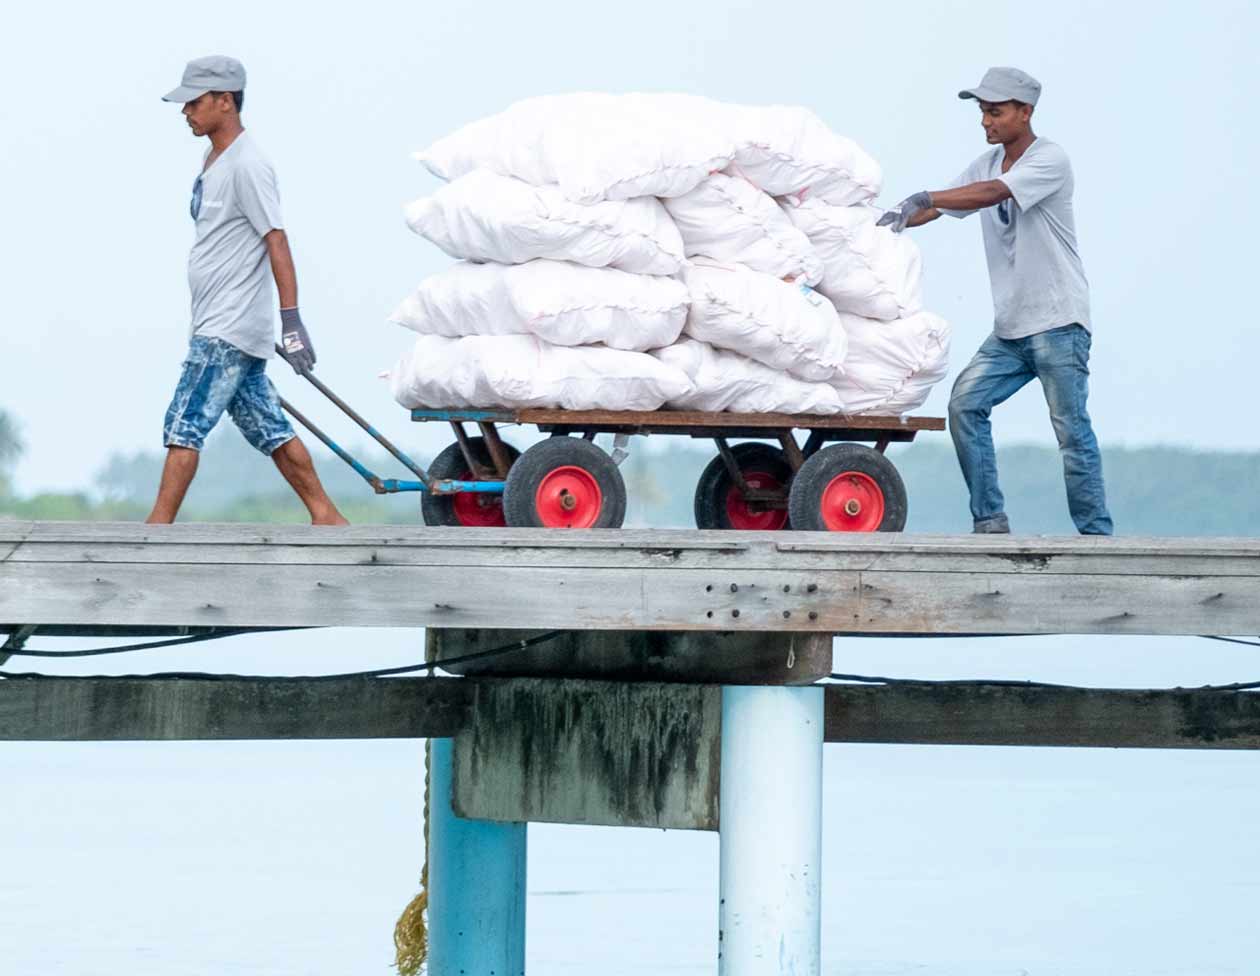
(789, 150)
(487, 217)
(729, 220)
(524, 371)
(595, 146)
(785, 326)
(892, 366)
(867, 270)
(565, 304)
(727, 381)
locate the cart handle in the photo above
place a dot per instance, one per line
(372, 432)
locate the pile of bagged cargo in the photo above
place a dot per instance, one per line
(628, 252)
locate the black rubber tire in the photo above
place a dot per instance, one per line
(715, 482)
(527, 474)
(817, 473)
(451, 463)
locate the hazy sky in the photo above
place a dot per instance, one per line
(1156, 113)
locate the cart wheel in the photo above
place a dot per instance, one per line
(848, 488)
(472, 509)
(565, 482)
(721, 505)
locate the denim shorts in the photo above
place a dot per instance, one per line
(217, 377)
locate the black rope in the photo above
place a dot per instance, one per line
(429, 666)
(1230, 640)
(875, 679)
(148, 645)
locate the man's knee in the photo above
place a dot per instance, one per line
(964, 405)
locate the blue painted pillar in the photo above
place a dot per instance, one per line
(769, 918)
(476, 885)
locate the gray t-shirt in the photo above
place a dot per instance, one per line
(1035, 268)
(228, 270)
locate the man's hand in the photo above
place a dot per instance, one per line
(897, 218)
(295, 342)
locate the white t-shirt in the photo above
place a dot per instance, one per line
(1035, 268)
(229, 273)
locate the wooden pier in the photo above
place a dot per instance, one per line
(678, 684)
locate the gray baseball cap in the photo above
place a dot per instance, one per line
(216, 72)
(1005, 85)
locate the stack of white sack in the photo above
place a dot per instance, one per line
(554, 304)
(892, 366)
(525, 371)
(616, 147)
(483, 216)
(727, 381)
(564, 304)
(604, 227)
(866, 270)
(779, 324)
(728, 220)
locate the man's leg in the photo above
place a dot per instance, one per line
(1061, 357)
(294, 462)
(257, 412)
(994, 374)
(206, 383)
(177, 475)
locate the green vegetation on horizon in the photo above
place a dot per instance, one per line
(1152, 491)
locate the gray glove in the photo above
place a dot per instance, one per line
(899, 217)
(295, 342)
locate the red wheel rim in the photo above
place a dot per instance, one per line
(852, 502)
(568, 498)
(478, 509)
(741, 514)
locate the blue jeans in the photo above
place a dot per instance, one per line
(218, 377)
(1060, 359)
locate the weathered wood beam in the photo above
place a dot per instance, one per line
(367, 576)
(103, 709)
(1006, 716)
(108, 709)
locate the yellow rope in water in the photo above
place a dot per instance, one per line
(411, 935)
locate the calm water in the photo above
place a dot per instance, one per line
(247, 859)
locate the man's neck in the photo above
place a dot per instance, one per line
(224, 136)
(1018, 147)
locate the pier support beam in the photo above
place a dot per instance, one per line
(476, 884)
(771, 832)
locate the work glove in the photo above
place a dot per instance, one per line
(295, 342)
(897, 218)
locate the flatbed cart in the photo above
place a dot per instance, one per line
(839, 480)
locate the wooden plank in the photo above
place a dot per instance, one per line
(681, 419)
(1005, 716)
(114, 709)
(523, 597)
(72, 574)
(16, 537)
(110, 709)
(584, 553)
(859, 434)
(639, 655)
(591, 752)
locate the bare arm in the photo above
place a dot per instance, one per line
(282, 267)
(923, 217)
(973, 196)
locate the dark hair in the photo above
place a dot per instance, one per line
(238, 98)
